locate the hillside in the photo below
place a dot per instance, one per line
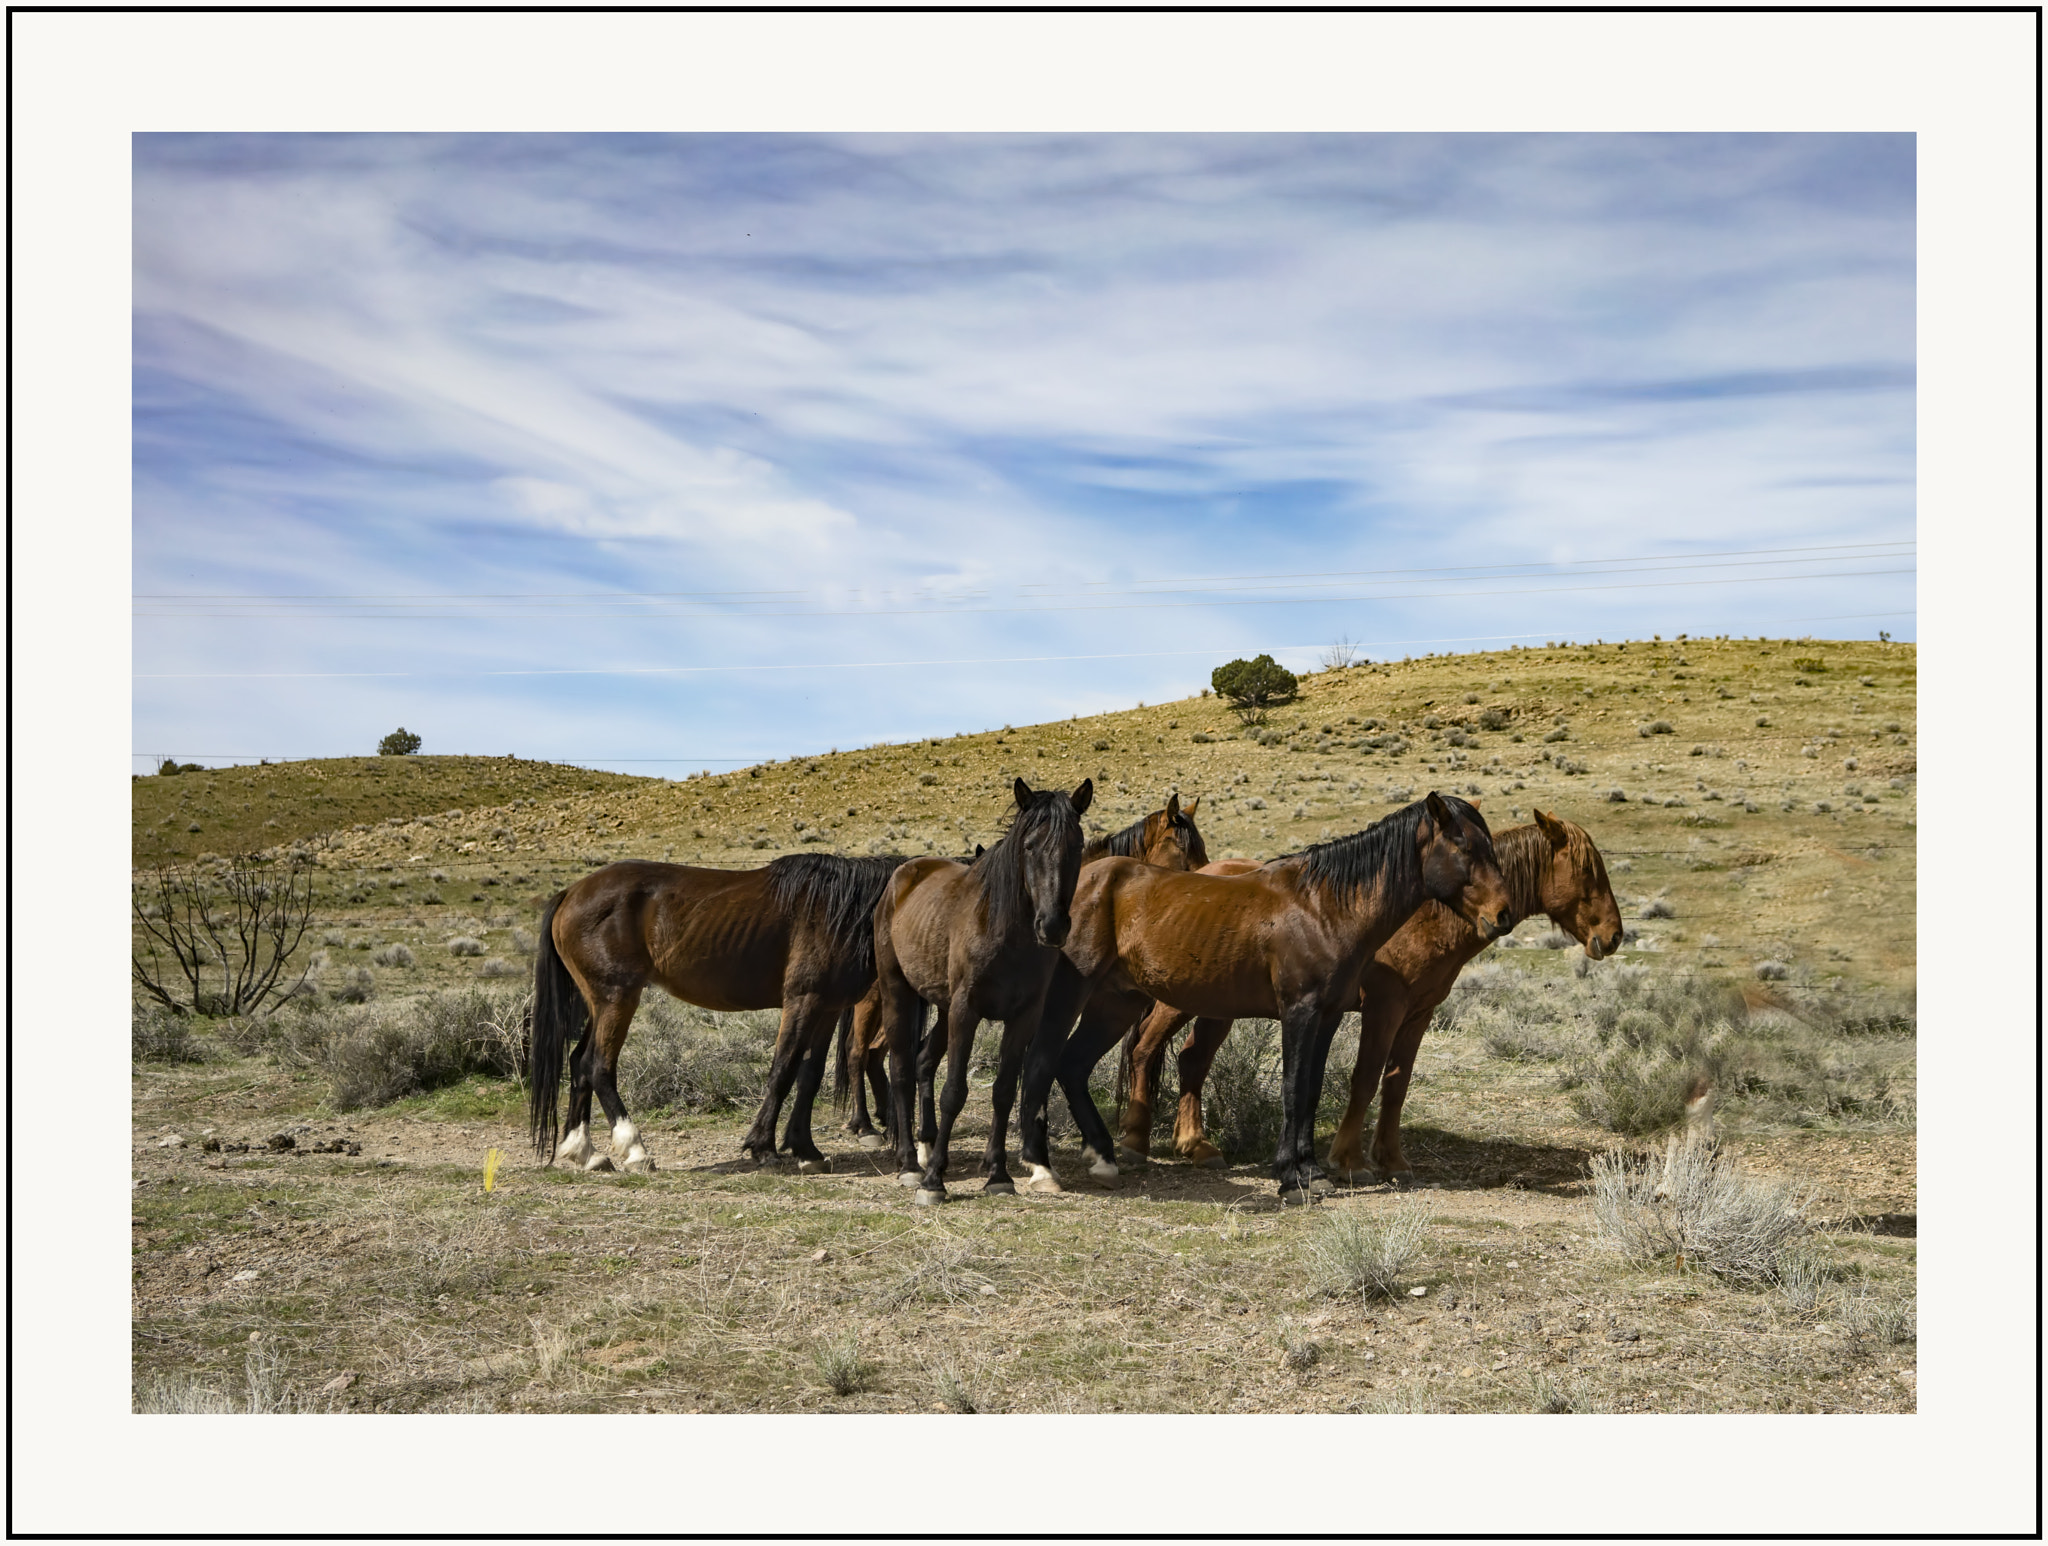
(1772, 813)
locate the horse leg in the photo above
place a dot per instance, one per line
(1305, 1031)
(816, 1018)
(995, 1159)
(1379, 1023)
(959, 1021)
(607, 1042)
(902, 1019)
(575, 1148)
(1148, 1056)
(1196, 1054)
(864, 1065)
(760, 1140)
(879, 1078)
(1386, 1139)
(928, 1053)
(1064, 996)
(1102, 1026)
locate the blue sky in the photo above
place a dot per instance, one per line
(661, 453)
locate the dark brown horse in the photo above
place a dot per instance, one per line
(1551, 867)
(1168, 838)
(1290, 940)
(978, 942)
(798, 935)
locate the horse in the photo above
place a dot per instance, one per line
(1289, 940)
(797, 935)
(1551, 866)
(979, 942)
(1168, 838)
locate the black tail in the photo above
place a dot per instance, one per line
(842, 1075)
(559, 1016)
(1126, 1067)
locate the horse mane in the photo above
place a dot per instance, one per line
(843, 889)
(1523, 853)
(1127, 844)
(1001, 869)
(1383, 854)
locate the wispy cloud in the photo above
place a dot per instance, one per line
(949, 368)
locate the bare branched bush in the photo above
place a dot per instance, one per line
(220, 941)
(1705, 1212)
(1350, 1252)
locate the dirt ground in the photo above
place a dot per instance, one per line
(391, 1280)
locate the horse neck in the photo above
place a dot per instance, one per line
(1367, 915)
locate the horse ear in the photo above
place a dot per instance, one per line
(1189, 810)
(1084, 795)
(1553, 829)
(1439, 812)
(1022, 791)
(1173, 809)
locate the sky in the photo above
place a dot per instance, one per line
(669, 453)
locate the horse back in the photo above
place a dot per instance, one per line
(707, 936)
(915, 921)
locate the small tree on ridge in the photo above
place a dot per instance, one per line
(400, 743)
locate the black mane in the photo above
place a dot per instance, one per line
(1384, 853)
(844, 889)
(1001, 869)
(1122, 845)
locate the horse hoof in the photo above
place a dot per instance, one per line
(1401, 1180)
(642, 1166)
(1132, 1159)
(601, 1162)
(1322, 1186)
(1208, 1156)
(1043, 1181)
(909, 1178)
(1292, 1195)
(999, 1189)
(873, 1141)
(927, 1199)
(816, 1167)
(1102, 1170)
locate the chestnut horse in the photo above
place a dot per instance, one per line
(1289, 940)
(979, 942)
(1551, 867)
(1168, 838)
(798, 935)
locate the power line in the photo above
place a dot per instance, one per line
(1271, 601)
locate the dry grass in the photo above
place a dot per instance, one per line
(1352, 1254)
(1698, 1209)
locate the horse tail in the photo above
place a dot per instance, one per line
(1127, 1067)
(558, 1015)
(842, 1064)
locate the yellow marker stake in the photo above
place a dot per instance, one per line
(491, 1158)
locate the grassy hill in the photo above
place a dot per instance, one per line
(1757, 796)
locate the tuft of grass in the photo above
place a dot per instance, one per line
(266, 1389)
(840, 1365)
(465, 945)
(393, 955)
(1298, 1351)
(1351, 1252)
(1577, 1398)
(1706, 1213)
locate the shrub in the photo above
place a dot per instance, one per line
(1352, 1252)
(1241, 1103)
(1661, 1040)
(1253, 686)
(373, 1058)
(523, 942)
(356, 986)
(464, 945)
(1706, 1212)
(1656, 727)
(497, 966)
(1772, 971)
(393, 955)
(400, 743)
(1561, 733)
(840, 1365)
(680, 1055)
(160, 1035)
(1657, 907)
(1493, 719)
(1616, 797)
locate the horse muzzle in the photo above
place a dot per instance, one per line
(1053, 931)
(1491, 929)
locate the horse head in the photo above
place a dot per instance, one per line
(1172, 840)
(1575, 891)
(1048, 829)
(1458, 864)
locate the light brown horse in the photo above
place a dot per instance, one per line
(1289, 940)
(1168, 838)
(979, 942)
(1551, 866)
(797, 935)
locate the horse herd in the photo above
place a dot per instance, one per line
(1073, 946)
